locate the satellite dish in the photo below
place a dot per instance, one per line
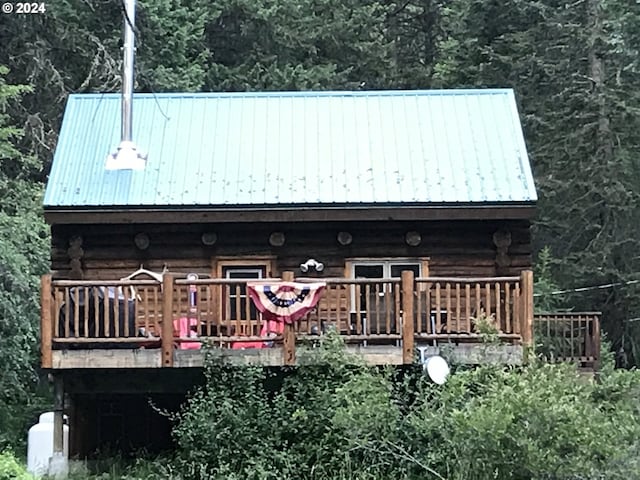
(437, 369)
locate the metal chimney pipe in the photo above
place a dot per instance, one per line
(128, 69)
(127, 156)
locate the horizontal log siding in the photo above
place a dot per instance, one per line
(456, 248)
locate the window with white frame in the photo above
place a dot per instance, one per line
(384, 268)
(393, 268)
(238, 305)
(376, 303)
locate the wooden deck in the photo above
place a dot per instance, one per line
(121, 324)
(572, 337)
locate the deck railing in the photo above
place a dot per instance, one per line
(131, 313)
(464, 307)
(359, 309)
(568, 337)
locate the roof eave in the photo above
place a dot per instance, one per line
(287, 213)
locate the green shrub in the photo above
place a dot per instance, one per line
(539, 422)
(334, 417)
(11, 469)
(307, 422)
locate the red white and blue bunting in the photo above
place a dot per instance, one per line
(285, 301)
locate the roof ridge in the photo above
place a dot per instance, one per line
(303, 93)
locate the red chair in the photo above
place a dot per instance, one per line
(186, 327)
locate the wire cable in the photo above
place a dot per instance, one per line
(136, 41)
(128, 20)
(586, 289)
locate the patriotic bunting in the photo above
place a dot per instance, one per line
(285, 301)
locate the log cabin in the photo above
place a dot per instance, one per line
(408, 212)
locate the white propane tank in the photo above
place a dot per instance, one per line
(40, 444)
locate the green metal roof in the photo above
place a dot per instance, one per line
(295, 148)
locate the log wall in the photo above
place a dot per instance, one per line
(455, 248)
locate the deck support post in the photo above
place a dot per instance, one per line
(58, 463)
(408, 282)
(58, 411)
(167, 320)
(46, 327)
(526, 281)
(289, 333)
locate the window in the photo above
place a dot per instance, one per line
(377, 303)
(239, 306)
(235, 312)
(238, 267)
(385, 269)
(243, 272)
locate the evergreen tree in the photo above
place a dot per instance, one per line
(23, 258)
(574, 69)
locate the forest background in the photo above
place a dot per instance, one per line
(574, 66)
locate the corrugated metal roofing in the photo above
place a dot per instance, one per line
(297, 148)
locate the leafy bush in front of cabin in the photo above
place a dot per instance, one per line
(11, 469)
(337, 418)
(539, 422)
(253, 423)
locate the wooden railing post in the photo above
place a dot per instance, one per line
(526, 312)
(408, 288)
(167, 320)
(596, 342)
(46, 322)
(289, 333)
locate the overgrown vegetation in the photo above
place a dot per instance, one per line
(11, 468)
(336, 418)
(343, 419)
